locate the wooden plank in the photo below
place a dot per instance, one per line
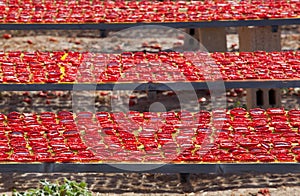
(118, 26)
(161, 86)
(206, 168)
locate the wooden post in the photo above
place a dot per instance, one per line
(152, 95)
(103, 33)
(266, 38)
(263, 98)
(213, 39)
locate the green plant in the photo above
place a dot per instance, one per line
(238, 104)
(68, 188)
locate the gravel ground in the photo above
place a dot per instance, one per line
(138, 184)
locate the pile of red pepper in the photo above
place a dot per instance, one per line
(61, 67)
(46, 137)
(98, 11)
(235, 135)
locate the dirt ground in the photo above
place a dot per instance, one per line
(166, 184)
(134, 183)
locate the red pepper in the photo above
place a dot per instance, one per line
(285, 157)
(265, 157)
(246, 158)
